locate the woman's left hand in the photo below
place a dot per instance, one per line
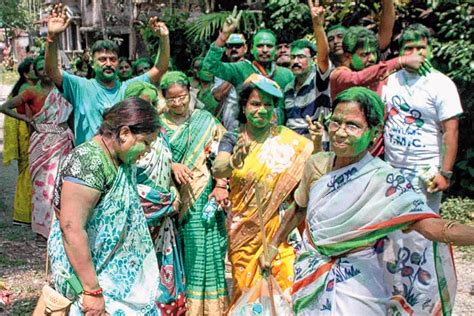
(221, 195)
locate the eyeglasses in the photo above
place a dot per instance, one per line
(176, 100)
(233, 46)
(350, 128)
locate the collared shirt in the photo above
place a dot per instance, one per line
(312, 98)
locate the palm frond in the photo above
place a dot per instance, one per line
(206, 25)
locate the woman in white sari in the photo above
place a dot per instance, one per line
(355, 260)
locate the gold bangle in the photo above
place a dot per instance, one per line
(444, 232)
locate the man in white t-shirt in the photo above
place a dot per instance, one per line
(421, 132)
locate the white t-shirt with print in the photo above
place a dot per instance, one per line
(416, 106)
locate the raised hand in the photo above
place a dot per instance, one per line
(241, 150)
(317, 12)
(232, 21)
(159, 28)
(316, 132)
(416, 63)
(58, 21)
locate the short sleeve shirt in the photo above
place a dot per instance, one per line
(416, 106)
(88, 165)
(89, 99)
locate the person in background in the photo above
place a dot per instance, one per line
(16, 142)
(307, 96)
(263, 51)
(335, 33)
(47, 112)
(90, 97)
(142, 65)
(125, 69)
(223, 91)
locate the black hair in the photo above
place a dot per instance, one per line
(139, 115)
(107, 45)
(244, 94)
(23, 68)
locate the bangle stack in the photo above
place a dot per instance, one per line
(444, 232)
(97, 292)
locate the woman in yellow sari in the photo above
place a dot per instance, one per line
(271, 157)
(16, 142)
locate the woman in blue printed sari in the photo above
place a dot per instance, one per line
(160, 202)
(102, 256)
(194, 135)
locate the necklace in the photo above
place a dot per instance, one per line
(109, 153)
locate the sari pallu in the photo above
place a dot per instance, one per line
(204, 247)
(354, 257)
(157, 197)
(121, 249)
(277, 166)
(48, 146)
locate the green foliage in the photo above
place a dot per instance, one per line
(15, 15)
(459, 209)
(281, 17)
(206, 27)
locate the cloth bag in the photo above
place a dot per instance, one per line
(257, 300)
(51, 302)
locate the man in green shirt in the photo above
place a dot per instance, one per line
(263, 51)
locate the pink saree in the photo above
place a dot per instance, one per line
(48, 146)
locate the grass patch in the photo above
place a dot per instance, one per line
(461, 210)
(6, 262)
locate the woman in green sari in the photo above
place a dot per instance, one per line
(193, 136)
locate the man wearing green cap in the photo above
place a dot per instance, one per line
(90, 97)
(223, 91)
(263, 50)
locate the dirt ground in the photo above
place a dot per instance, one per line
(22, 260)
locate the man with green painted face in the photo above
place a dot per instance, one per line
(336, 33)
(263, 51)
(90, 97)
(360, 65)
(308, 94)
(421, 132)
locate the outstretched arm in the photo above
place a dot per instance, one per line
(442, 230)
(317, 16)
(57, 23)
(163, 57)
(387, 21)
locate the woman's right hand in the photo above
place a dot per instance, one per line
(241, 150)
(181, 172)
(93, 305)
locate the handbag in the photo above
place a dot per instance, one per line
(51, 302)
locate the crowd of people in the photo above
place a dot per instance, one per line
(322, 165)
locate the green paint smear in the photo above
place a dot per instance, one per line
(99, 74)
(356, 62)
(265, 113)
(172, 77)
(263, 38)
(361, 143)
(132, 154)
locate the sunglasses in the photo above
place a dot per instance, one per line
(233, 46)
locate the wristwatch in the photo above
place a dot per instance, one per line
(447, 174)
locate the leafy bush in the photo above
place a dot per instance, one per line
(459, 209)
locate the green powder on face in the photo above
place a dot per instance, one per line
(134, 152)
(361, 143)
(99, 73)
(264, 38)
(356, 62)
(265, 113)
